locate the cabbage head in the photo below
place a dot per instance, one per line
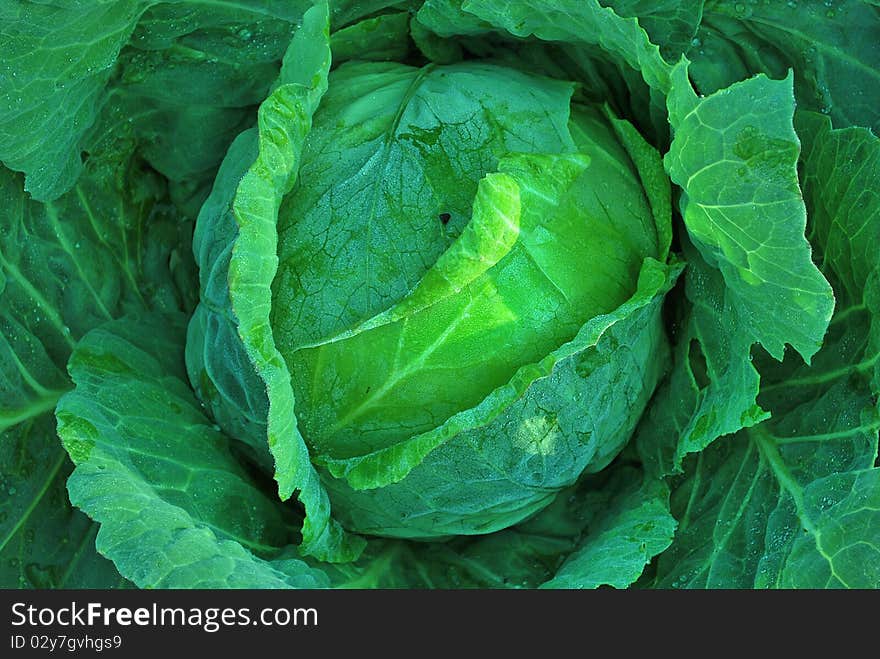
(458, 279)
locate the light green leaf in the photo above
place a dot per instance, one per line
(625, 533)
(285, 119)
(489, 236)
(382, 37)
(734, 155)
(236, 248)
(655, 183)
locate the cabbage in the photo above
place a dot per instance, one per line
(439, 294)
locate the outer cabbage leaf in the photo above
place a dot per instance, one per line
(44, 541)
(236, 250)
(191, 77)
(446, 18)
(832, 48)
(180, 78)
(50, 97)
(671, 24)
(65, 267)
(712, 388)
(159, 477)
(600, 532)
(576, 22)
(792, 502)
(735, 154)
(631, 527)
(593, 45)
